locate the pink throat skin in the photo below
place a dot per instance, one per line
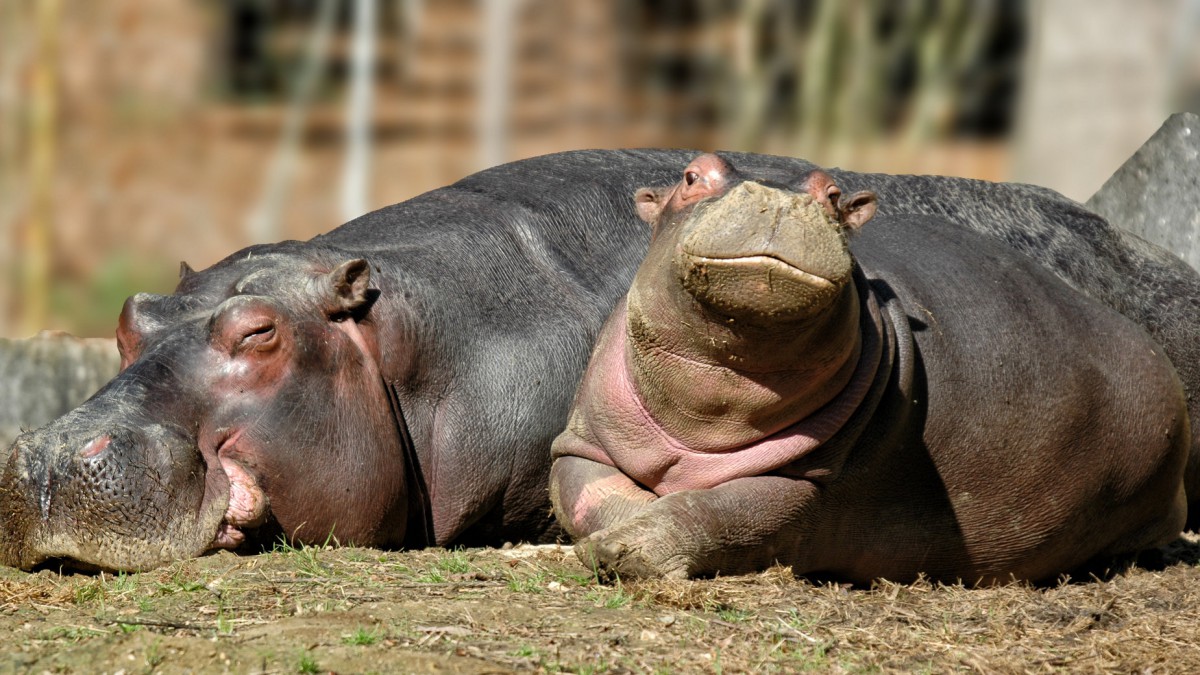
(624, 434)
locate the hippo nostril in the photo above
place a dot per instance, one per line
(96, 446)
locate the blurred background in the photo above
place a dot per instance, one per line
(137, 134)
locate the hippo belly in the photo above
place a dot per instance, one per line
(1037, 423)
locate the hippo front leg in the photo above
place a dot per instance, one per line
(589, 496)
(741, 526)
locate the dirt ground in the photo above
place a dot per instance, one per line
(316, 610)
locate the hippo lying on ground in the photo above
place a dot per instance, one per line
(396, 382)
(412, 398)
(936, 404)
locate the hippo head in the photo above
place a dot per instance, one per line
(752, 252)
(250, 404)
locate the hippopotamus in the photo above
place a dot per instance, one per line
(398, 381)
(393, 383)
(786, 382)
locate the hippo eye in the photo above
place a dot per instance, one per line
(260, 339)
(690, 177)
(833, 193)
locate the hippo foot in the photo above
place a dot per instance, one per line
(634, 549)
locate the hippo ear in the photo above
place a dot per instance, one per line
(857, 209)
(347, 288)
(649, 203)
(139, 317)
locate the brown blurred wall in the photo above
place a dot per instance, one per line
(157, 162)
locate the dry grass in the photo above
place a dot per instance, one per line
(537, 609)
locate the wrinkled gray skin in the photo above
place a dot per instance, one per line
(480, 308)
(1012, 428)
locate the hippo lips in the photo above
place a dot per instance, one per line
(773, 266)
(757, 287)
(247, 503)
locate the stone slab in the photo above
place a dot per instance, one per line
(1156, 193)
(46, 376)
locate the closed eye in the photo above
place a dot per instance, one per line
(259, 339)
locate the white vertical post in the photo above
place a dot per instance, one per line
(356, 176)
(496, 75)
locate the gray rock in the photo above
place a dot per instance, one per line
(1156, 193)
(44, 377)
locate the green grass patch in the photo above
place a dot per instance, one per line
(433, 576)
(362, 637)
(733, 615)
(306, 558)
(120, 583)
(154, 655)
(524, 652)
(454, 562)
(532, 584)
(90, 593)
(307, 663)
(610, 597)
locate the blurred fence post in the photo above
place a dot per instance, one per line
(36, 244)
(10, 105)
(356, 174)
(265, 222)
(495, 77)
(749, 78)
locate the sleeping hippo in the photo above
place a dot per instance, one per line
(398, 381)
(784, 384)
(394, 383)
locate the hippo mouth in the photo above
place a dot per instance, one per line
(767, 264)
(246, 502)
(757, 285)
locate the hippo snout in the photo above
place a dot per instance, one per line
(64, 472)
(118, 497)
(40, 470)
(760, 254)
